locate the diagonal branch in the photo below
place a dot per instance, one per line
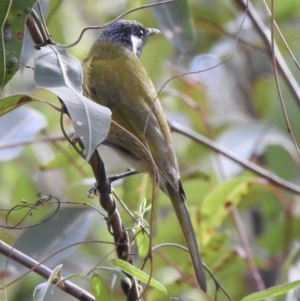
(43, 271)
(271, 177)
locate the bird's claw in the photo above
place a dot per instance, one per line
(93, 190)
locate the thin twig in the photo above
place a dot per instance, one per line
(274, 179)
(39, 24)
(118, 18)
(281, 36)
(34, 31)
(266, 36)
(202, 116)
(45, 28)
(244, 242)
(32, 141)
(282, 103)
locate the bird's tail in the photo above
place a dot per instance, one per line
(188, 231)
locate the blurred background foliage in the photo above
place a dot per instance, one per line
(243, 223)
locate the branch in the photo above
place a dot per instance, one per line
(114, 223)
(266, 36)
(245, 245)
(43, 271)
(178, 128)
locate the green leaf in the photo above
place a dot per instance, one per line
(99, 289)
(117, 272)
(11, 102)
(69, 277)
(61, 73)
(273, 291)
(216, 247)
(215, 205)
(12, 22)
(142, 241)
(4, 8)
(137, 273)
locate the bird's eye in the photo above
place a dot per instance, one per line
(140, 34)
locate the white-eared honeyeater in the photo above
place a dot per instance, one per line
(114, 77)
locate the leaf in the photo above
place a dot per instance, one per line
(11, 102)
(215, 205)
(271, 292)
(69, 277)
(142, 241)
(68, 226)
(176, 22)
(99, 289)
(137, 273)
(217, 245)
(17, 126)
(4, 7)
(117, 272)
(12, 21)
(206, 72)
(41, 289)
(60, 73)
(251, 139)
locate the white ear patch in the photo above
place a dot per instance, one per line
(136, 44)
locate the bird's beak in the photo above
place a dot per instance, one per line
(151, 31)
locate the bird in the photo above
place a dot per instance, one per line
(113, 76)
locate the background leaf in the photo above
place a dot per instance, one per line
(21, 124)
(215, 206)
(272, 292)
(99, 289)
(68, 226)
(12, 20)
(177, 24)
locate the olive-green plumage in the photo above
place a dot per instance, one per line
(115, 78)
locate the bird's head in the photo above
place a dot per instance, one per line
(130, 34)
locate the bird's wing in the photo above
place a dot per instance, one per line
(114, 83)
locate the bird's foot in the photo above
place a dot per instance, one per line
(94, 189)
